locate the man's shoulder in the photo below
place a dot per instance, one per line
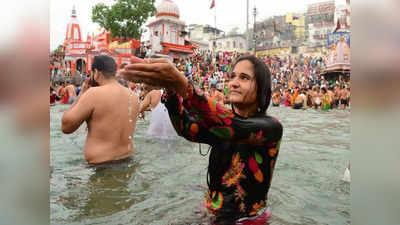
(94, 89)
(93, 92)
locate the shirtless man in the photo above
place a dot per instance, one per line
(331, 97)
(110, 111)
(300, 101)
(216, 94)
(309, 98)
(337, 96)
(317, 97)
(70, 88)
(344, 96)
(276, 97)
(150, 100)
(64, 94)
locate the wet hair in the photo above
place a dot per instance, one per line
(105, 64)
(222, 152)
(263, 81)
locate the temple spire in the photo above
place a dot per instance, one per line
(73, 15)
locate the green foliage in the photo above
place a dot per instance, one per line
(234, 31)
(58, 49)
(125, 17)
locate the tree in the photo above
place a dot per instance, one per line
(234, 31)
(124, 18)
(58, 49)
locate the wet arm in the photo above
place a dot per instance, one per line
(144, 105)
(79, 112)
(200, 117)
(186, 125)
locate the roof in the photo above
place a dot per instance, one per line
(230, 36)
(177, 48)
(168, 19)
(167, 8)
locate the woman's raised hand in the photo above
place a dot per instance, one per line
(159, 72)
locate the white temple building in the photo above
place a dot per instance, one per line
(167, 32)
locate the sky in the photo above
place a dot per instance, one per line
(229, 13)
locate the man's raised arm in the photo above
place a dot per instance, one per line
(79, 111)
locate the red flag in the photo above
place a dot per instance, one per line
(212, 4)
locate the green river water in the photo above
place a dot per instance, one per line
(166, 182)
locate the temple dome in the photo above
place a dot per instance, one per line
(167, 8)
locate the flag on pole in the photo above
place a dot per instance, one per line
(212, 4)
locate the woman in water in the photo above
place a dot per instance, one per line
(325, 99)
(245, 141)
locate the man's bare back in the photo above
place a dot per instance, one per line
(71, 90)
(110, 129)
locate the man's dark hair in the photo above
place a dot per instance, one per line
(105, 64)
(263, 80)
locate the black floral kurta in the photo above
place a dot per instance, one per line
(254, 141)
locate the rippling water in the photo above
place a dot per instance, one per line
(166, 182)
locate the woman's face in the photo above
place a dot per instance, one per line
(242, 86)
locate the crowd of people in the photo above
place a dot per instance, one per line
(244, 140)
(296, 81)
(220, 100)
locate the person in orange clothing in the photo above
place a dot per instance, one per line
(294, 96)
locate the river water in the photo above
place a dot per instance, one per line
(166, 182)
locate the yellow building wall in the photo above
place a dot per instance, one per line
(274, 51)
(298, 23)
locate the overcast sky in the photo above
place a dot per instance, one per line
(230, 13)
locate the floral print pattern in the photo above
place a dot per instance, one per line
(255, 142)
(214, 200)
(257, 207)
